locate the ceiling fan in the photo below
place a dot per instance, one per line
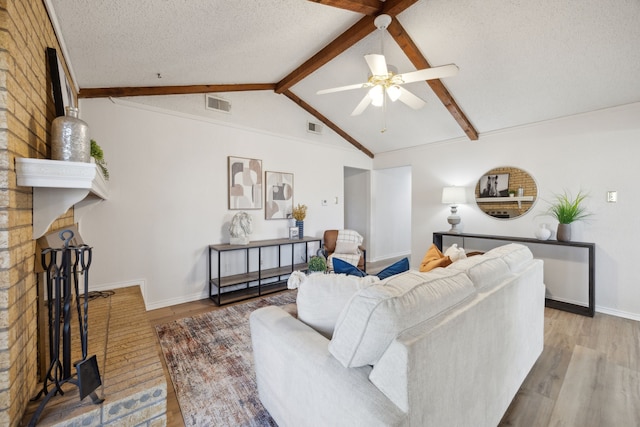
(384, 79)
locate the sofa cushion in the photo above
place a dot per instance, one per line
(321, 298)
(483, 271)
(514, 254)
(374, 316)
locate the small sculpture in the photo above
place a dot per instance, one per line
(240, 228)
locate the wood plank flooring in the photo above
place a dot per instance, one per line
(588, 374)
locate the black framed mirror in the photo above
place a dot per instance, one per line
(506, 192)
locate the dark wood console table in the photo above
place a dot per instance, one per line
(489, 241)
(256, 279)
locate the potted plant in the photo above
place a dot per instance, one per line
(98, 156)
(567, 210)
(299, 214)
(512, 193)
(317, 264)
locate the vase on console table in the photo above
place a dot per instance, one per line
(543, 232)
(300, 225)
(564, 233)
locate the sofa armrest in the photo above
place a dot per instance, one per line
(301, 384)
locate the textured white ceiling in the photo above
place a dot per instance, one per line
(520, 61)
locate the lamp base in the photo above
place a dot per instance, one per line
(454, 221)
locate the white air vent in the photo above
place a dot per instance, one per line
(217, 104)
(314, 127)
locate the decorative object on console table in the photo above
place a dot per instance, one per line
(293, 233)
(70, 138)
(567, 210)
(454, 196)
(240, 228)
(543, 232)
(299, 214)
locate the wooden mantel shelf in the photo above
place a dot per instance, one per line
(58, 185)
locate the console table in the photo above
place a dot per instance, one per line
(255, 279)
(564, 274)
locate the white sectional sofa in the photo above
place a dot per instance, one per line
(450, 347)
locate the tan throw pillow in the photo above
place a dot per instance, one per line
(434, 258)
(346, 248)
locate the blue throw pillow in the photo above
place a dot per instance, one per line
(395, 268)
(343, 267)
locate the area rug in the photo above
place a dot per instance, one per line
(210, 361)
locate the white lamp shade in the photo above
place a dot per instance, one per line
(454, 195)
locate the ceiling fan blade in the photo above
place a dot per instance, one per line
(377, 64)
(410, 99)
(362, 105)
(341, 88)
(430, 73)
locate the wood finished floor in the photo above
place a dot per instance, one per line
(588, 374)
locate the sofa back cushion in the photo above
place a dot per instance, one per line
(374, 316)
(514, 254)
(484, 272)
(321, 298)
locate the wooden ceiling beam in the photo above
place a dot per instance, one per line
(170, 90)
(419, 61)
(357, 32)
(353, 35)
(366, 7)
(315, 113)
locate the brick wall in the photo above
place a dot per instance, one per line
(26, 112)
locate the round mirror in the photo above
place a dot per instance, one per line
(506, 192)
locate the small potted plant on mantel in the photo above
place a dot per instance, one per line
(98, 155)
(567, 210)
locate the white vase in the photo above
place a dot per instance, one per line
(543, 232)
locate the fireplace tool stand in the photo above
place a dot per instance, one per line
(63, 267)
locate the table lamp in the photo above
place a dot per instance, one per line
(453, 196)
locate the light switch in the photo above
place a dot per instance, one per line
(612, 196)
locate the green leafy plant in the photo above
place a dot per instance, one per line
(98, 155)
(567, 209)
(317, 264)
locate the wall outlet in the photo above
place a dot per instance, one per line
(612, 196)
(324, 202)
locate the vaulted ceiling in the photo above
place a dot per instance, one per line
(520, 61)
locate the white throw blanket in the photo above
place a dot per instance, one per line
(351, 239)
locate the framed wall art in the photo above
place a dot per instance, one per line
(278, 195)
(494, 185)
(245, 183)
(60, 83)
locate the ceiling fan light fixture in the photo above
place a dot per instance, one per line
(393, 92)
(376, 94)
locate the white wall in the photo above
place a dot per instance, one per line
(595, 152)
(357, 203)
(168, 191)
(391, 215)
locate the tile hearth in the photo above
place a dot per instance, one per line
(134, 385)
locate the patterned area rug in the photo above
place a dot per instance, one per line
(210, 361)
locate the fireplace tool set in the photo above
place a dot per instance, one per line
(67, 269)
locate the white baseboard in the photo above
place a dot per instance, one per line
(176, 301)
(618, 313)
